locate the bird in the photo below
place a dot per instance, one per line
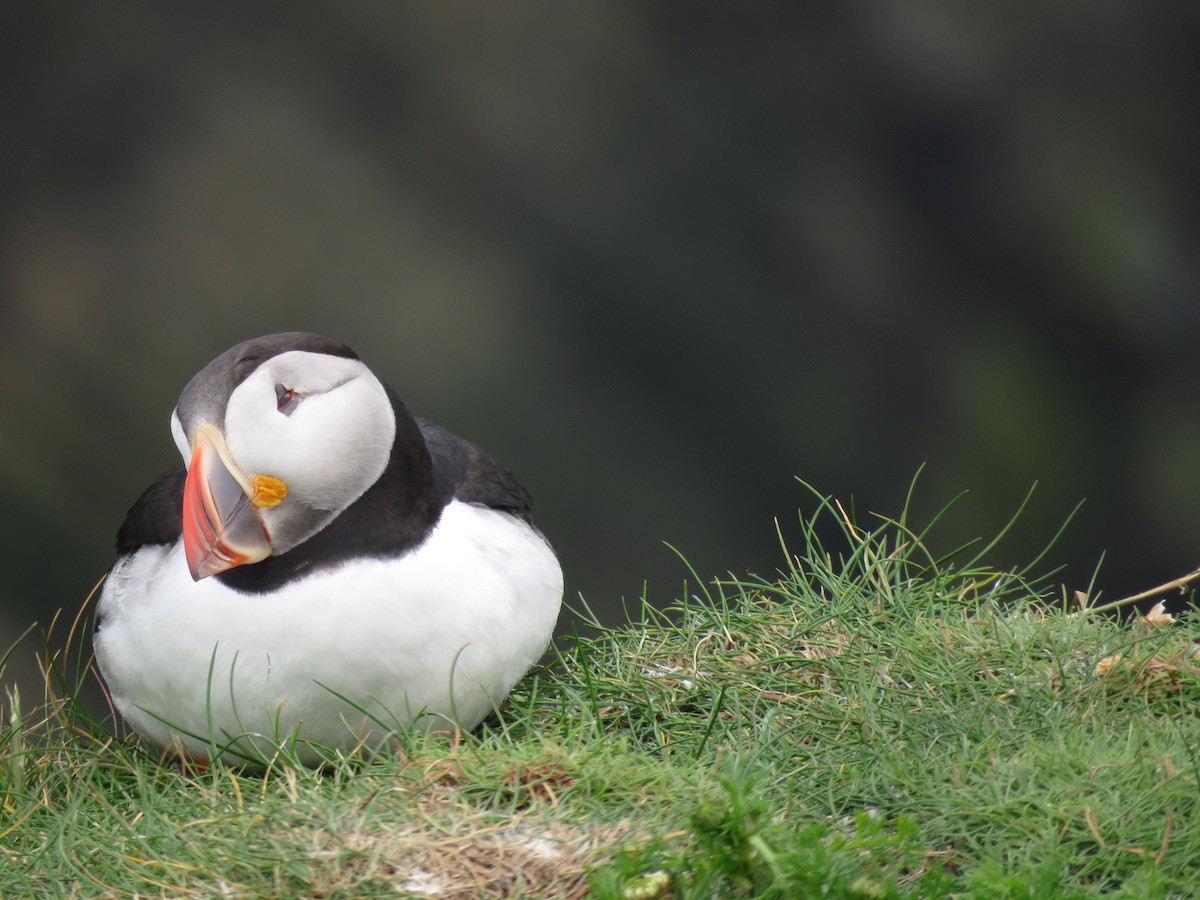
(322, 571)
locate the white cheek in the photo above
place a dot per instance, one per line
(181, 441)
(337, 444)
(332, 448)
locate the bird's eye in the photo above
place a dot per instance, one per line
(286, 400)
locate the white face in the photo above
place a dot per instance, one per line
(322, 424)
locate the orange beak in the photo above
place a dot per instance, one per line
(222, 527)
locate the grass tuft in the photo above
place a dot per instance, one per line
(873, 721)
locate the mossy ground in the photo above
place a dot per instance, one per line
(870, 722)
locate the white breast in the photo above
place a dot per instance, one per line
(437, 636)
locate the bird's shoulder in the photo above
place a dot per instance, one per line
(472, 475)
(157, 515)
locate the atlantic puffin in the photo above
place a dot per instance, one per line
(324, 569)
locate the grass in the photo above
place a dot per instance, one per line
(872, 722)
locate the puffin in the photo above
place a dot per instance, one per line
(322, 571)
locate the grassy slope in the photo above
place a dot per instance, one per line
(870, 724)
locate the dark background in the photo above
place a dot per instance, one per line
(659, 258)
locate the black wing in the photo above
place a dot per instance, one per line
(467, 473)
(157, 516)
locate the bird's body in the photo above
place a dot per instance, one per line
(397, 582)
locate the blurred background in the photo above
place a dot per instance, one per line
(660, 259)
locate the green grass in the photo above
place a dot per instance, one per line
(872, 722)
